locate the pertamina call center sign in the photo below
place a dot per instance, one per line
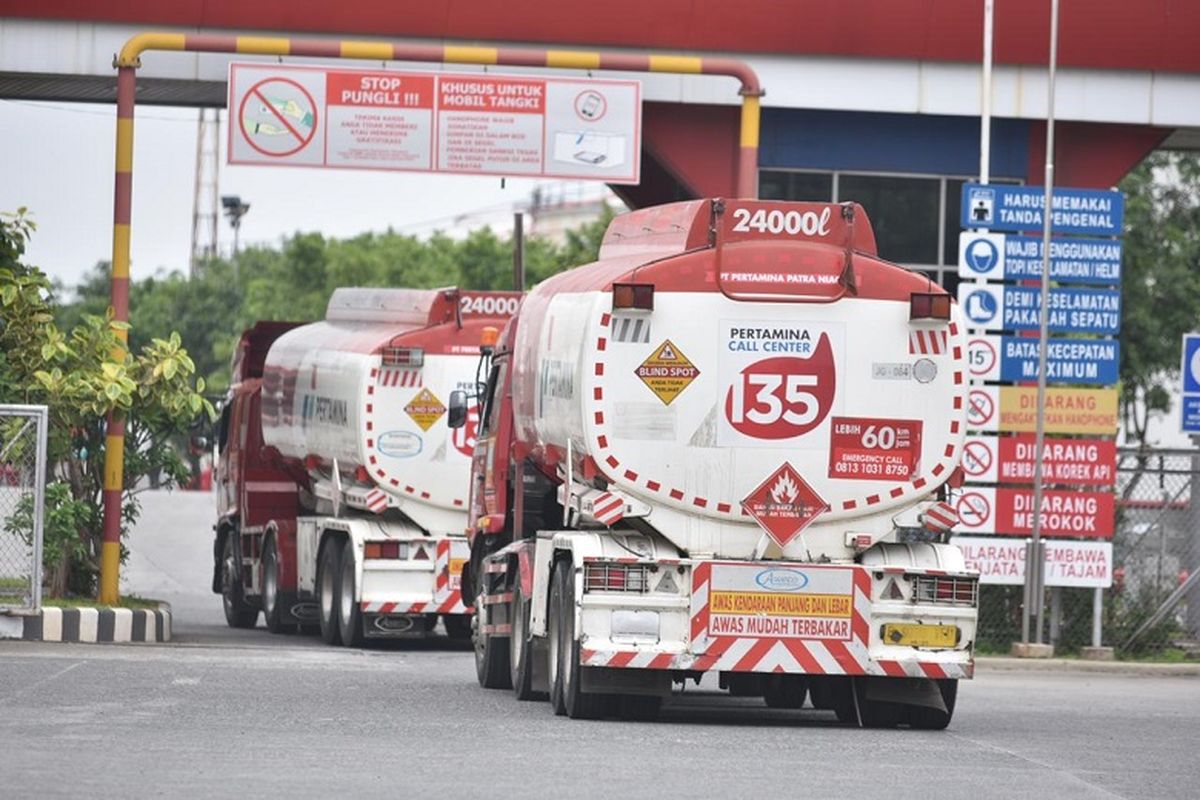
(465, 123)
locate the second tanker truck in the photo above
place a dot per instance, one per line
(341, 489)
(725, 447)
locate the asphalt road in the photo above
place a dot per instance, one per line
(223, 713)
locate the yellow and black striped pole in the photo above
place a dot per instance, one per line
(129, 59)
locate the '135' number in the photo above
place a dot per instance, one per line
(783, 397)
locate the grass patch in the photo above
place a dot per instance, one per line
(128, 601)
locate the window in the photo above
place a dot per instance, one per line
(781, 185)
(903, 211)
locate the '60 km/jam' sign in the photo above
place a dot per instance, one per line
(864, 448)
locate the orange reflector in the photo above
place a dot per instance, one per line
(633, 295)
(928, 305)
(387, 549)
(489, 336)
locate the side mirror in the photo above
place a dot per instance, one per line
(458, 409)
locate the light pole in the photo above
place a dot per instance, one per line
(235, 209)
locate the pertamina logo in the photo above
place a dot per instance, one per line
(667, 372)
(425, 409)
(784, 504)
(784, 396)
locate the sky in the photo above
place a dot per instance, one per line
(57, 160)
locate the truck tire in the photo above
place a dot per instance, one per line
(328, 576)
(924, 718)
(491, 652)
(876, 713)
(575, 703)
(272, 612)
(238, 613)
(349, 616)
(520, 648)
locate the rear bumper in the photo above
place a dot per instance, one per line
(813, 620)
(398, 588)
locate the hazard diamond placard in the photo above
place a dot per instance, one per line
(425, 409)
(784, 504)
(667, 372)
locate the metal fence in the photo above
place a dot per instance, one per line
(1153, 606)
(22, 505)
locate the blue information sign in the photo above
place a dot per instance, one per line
(1089, 361)
(1016, 308)
(1071, 260)
(1190, 371)
(1003, 207)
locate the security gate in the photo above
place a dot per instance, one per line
(22, 504)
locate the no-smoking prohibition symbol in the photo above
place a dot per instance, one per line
(278, 117)
(974, 510)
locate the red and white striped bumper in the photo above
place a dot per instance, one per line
(442, 595)
(778, 617)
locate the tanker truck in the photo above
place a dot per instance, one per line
(727, 446)
(341, 490)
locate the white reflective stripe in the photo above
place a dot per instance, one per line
(778, 656)
(863, 608)
(824, 658)
(863, 657)
(734, 654)
(270, 486)
(51, 624)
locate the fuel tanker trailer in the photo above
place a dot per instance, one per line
(726, 447)
(342, 490)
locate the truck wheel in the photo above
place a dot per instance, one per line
(876, 713)
(491, 652)
(238, 613)
(272, 613)
(925, 718)
(520, 648)
(576, 704)
(350, 627)
(328, 575)
(784, 691)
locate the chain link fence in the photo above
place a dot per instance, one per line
(1153, 605)
(22, 503)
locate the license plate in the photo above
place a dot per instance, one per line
(920, 635)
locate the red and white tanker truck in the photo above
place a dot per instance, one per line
(342, 492)
(725, 447)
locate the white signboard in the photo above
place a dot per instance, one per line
(471, 124)
(1068, 563)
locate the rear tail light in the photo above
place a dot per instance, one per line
(633, 295)
(947, 590)
(928, 305)
(388, 549)
(403, 356)
(603, 577)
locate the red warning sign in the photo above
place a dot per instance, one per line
(863, 448)
(1082, 515)
(784, 504)
(1082, 462)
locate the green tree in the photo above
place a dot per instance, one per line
(1160, 282)
(82, 374)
